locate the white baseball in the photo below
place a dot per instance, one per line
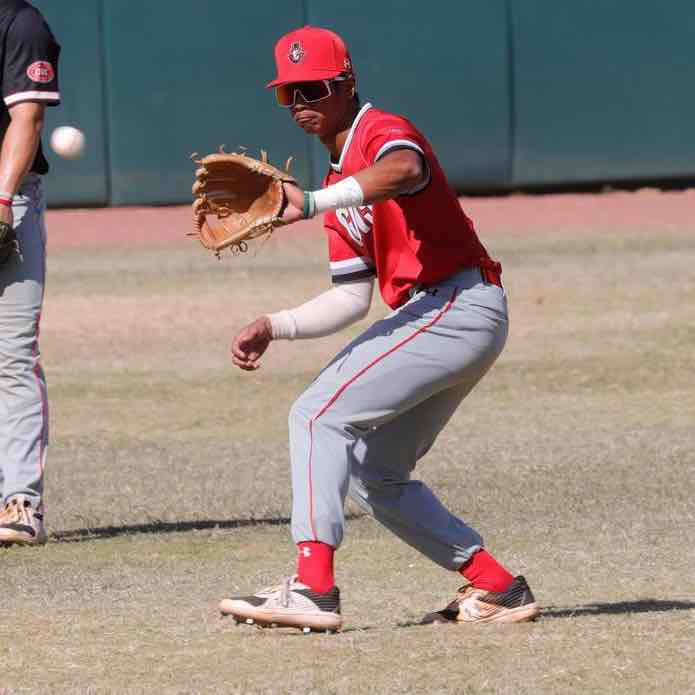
(68, 142)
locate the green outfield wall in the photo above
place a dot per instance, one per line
(512, 93)
(603, 90)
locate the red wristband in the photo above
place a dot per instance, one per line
(7, 202)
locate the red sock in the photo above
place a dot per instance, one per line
(315, 565)
(484, 572)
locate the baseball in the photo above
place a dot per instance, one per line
(68, 142)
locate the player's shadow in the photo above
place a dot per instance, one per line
(647, 605)
(104, 532)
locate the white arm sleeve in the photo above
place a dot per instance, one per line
(329, 312)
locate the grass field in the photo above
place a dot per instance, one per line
(168, 481)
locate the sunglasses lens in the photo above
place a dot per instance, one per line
(285, 94)
(308, 91)
(314, 91)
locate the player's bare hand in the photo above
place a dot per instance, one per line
(250, 343)
(294, 210)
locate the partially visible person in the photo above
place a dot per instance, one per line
(29, 64)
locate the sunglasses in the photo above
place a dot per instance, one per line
(310, 92)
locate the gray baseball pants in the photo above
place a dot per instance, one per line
(23, 400)
(377, 408)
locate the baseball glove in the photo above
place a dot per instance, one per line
(237, 198)
(8, 242)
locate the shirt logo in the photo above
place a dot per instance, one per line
(41, 71)
(296, 52)
(356, 221)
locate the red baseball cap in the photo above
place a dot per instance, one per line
(310, 53)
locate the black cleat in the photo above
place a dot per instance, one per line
(515, 605)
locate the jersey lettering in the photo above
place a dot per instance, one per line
(356, 221)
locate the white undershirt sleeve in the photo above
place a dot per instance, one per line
(332, 310)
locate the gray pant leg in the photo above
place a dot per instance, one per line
(23, 400)
(382, 461)
(433, 344)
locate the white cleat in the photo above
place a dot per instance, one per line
(290, 604)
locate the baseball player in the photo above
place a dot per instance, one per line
(378, 406)
(29, 62)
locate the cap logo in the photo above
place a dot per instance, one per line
(348, 64)
(296, 52)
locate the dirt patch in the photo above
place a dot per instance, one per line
(620, 210)
(130, 226)
(523, 213)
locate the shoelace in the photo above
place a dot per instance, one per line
(11, 514)
(285, 592)
(16, 513)
(283, 588)
(464, 592)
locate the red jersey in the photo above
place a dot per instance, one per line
(418, 238)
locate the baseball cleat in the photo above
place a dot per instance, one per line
(515, 605)
(20, 523)
(290, 604)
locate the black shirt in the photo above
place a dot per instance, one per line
(28, 64)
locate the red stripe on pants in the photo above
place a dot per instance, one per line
(351, 381)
